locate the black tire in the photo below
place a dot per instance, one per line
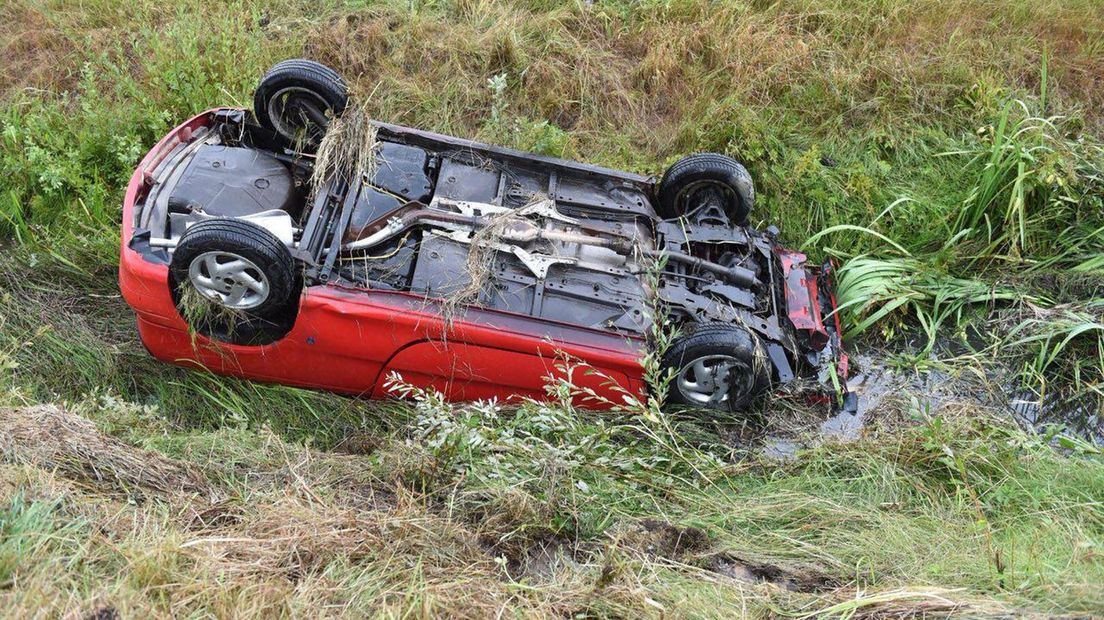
(747, 378)
(296, 99)
(701, 177)
(265, 321)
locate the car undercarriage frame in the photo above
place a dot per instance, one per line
(565, 244)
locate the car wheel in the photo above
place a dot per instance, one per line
(234, 281)
(297, 98)
(720, 367)
(703, 181)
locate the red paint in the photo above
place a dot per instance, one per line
(348, 340)
(802, 299)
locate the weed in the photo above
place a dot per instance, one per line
(838, 109)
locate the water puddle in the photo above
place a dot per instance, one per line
(881, 388)
(1081, 415)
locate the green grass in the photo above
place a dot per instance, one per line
(542, 511)
(948, 154)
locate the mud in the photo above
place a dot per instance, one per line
(1081, 414)
(888, 396)
(692, 546)
(663, 539)
(792, 579)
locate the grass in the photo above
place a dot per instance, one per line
(543, 512)
(947, 153)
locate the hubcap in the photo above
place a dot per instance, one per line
(229, 279)
(707, 379)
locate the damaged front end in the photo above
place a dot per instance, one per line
(811, 309)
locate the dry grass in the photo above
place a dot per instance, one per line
(37, 54)
(348, 150)
(51, 438)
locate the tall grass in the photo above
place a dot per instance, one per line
(1034, 180)
(870, 290)
(1034, 210)
(838, 108)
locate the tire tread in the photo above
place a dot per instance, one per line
(308, 73)
(721, 167)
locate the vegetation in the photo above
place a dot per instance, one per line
(947, 153)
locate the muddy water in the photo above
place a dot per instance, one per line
(881, 387)
(1082, 415)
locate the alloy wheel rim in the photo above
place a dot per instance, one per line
(231, 280)
(707, 380)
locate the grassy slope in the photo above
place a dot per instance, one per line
(839, 108)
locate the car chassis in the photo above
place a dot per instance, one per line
(579, 263)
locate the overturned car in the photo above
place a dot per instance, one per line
(462, 266)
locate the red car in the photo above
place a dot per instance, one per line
(461, 266)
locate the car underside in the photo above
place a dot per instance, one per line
(469, 225)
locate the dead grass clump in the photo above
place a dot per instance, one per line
(51, 438)
(348, 149)
(202, 314)
(479, 265)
